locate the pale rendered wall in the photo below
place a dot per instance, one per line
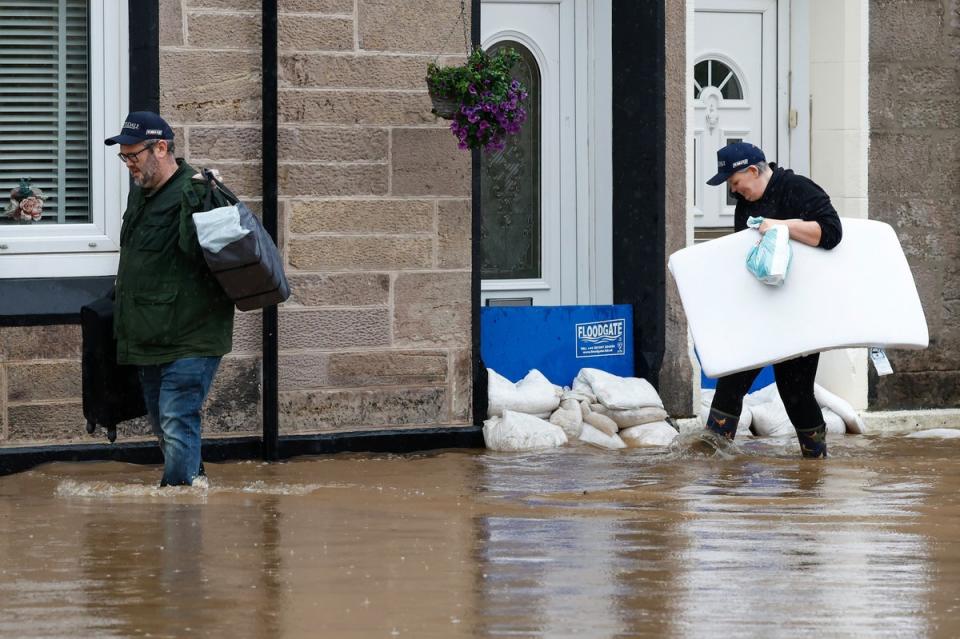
(839, 141)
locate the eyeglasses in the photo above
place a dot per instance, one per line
(128, 157)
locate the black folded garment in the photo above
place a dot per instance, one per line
(111, 392)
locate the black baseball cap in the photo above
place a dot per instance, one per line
(140, 126)
(735, 157)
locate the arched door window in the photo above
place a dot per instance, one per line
(510, 226)
(713, 73)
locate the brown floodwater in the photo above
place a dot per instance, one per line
(574, 542)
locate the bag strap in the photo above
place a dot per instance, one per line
(216, 184)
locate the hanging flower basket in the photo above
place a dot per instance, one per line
(26, 203)
(445, 108)
(481, 98)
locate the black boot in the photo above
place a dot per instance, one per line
(813, 442)
(722, 424)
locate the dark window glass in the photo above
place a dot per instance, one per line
(44, 104)
(510, 224)
(713, 73)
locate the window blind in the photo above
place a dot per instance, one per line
(44, 104)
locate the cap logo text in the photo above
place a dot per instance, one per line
(154, 131)
(740, 163)
(131, 125)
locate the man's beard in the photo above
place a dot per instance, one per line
(148, 171)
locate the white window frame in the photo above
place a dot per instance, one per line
(92, 248)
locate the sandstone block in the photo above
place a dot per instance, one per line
(353, 72)
(37, 381)
(904, 391)
(303, 371)
(234, 401)
(298, 180)
(40, 342)
(381, 368)
(238, 5)
(355, 107)
(360, 409)
(432, 308)
(247, 332)
(362, 216)
(171, 23)
(361, 253)
(204, 86)
(905, 96)
(224, 30)
(461, 394)
(302, 6)
(454, 230)
(905, 30)
(334, 328)
(934, 160)
(428, 162)
(62, 421)
(315, 33)
(333, 144)
(417, 26)
(225, 143)
(245, 180)
(317, 6)
(340, 289)
(3, 400)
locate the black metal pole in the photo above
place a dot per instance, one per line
(479, 384)
(271, 364)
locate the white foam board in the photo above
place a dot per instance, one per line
(861, 293)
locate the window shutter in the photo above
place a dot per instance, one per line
(44, 104)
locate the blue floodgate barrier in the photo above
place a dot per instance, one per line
(764, 379)
(557, 340)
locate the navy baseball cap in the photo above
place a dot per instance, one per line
(735, 157)
(140, 126)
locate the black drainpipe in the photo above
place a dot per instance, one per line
(271, 365)
(479, 384)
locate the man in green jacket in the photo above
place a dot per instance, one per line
(171, 318)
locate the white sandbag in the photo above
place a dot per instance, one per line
(594, 437)
(840, 406)
(770, 419)
(634, 416)
(568, 418)
(935, 433)
(533, 395)
(833, 422)
(584, 408)
(617, 392)
(602, 423)
(652, 434)
(706, 400)
(517, 431)
(580, 395)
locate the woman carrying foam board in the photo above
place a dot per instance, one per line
(781, 197)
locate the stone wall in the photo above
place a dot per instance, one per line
(41, 400)
(676, 373)
(914, 183)
(375, 208)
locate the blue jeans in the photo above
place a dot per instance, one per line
(174, 394)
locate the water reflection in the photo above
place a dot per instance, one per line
(569, 543)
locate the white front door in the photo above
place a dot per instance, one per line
(734, 91)
(545, 213)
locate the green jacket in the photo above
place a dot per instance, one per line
(168, 304)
